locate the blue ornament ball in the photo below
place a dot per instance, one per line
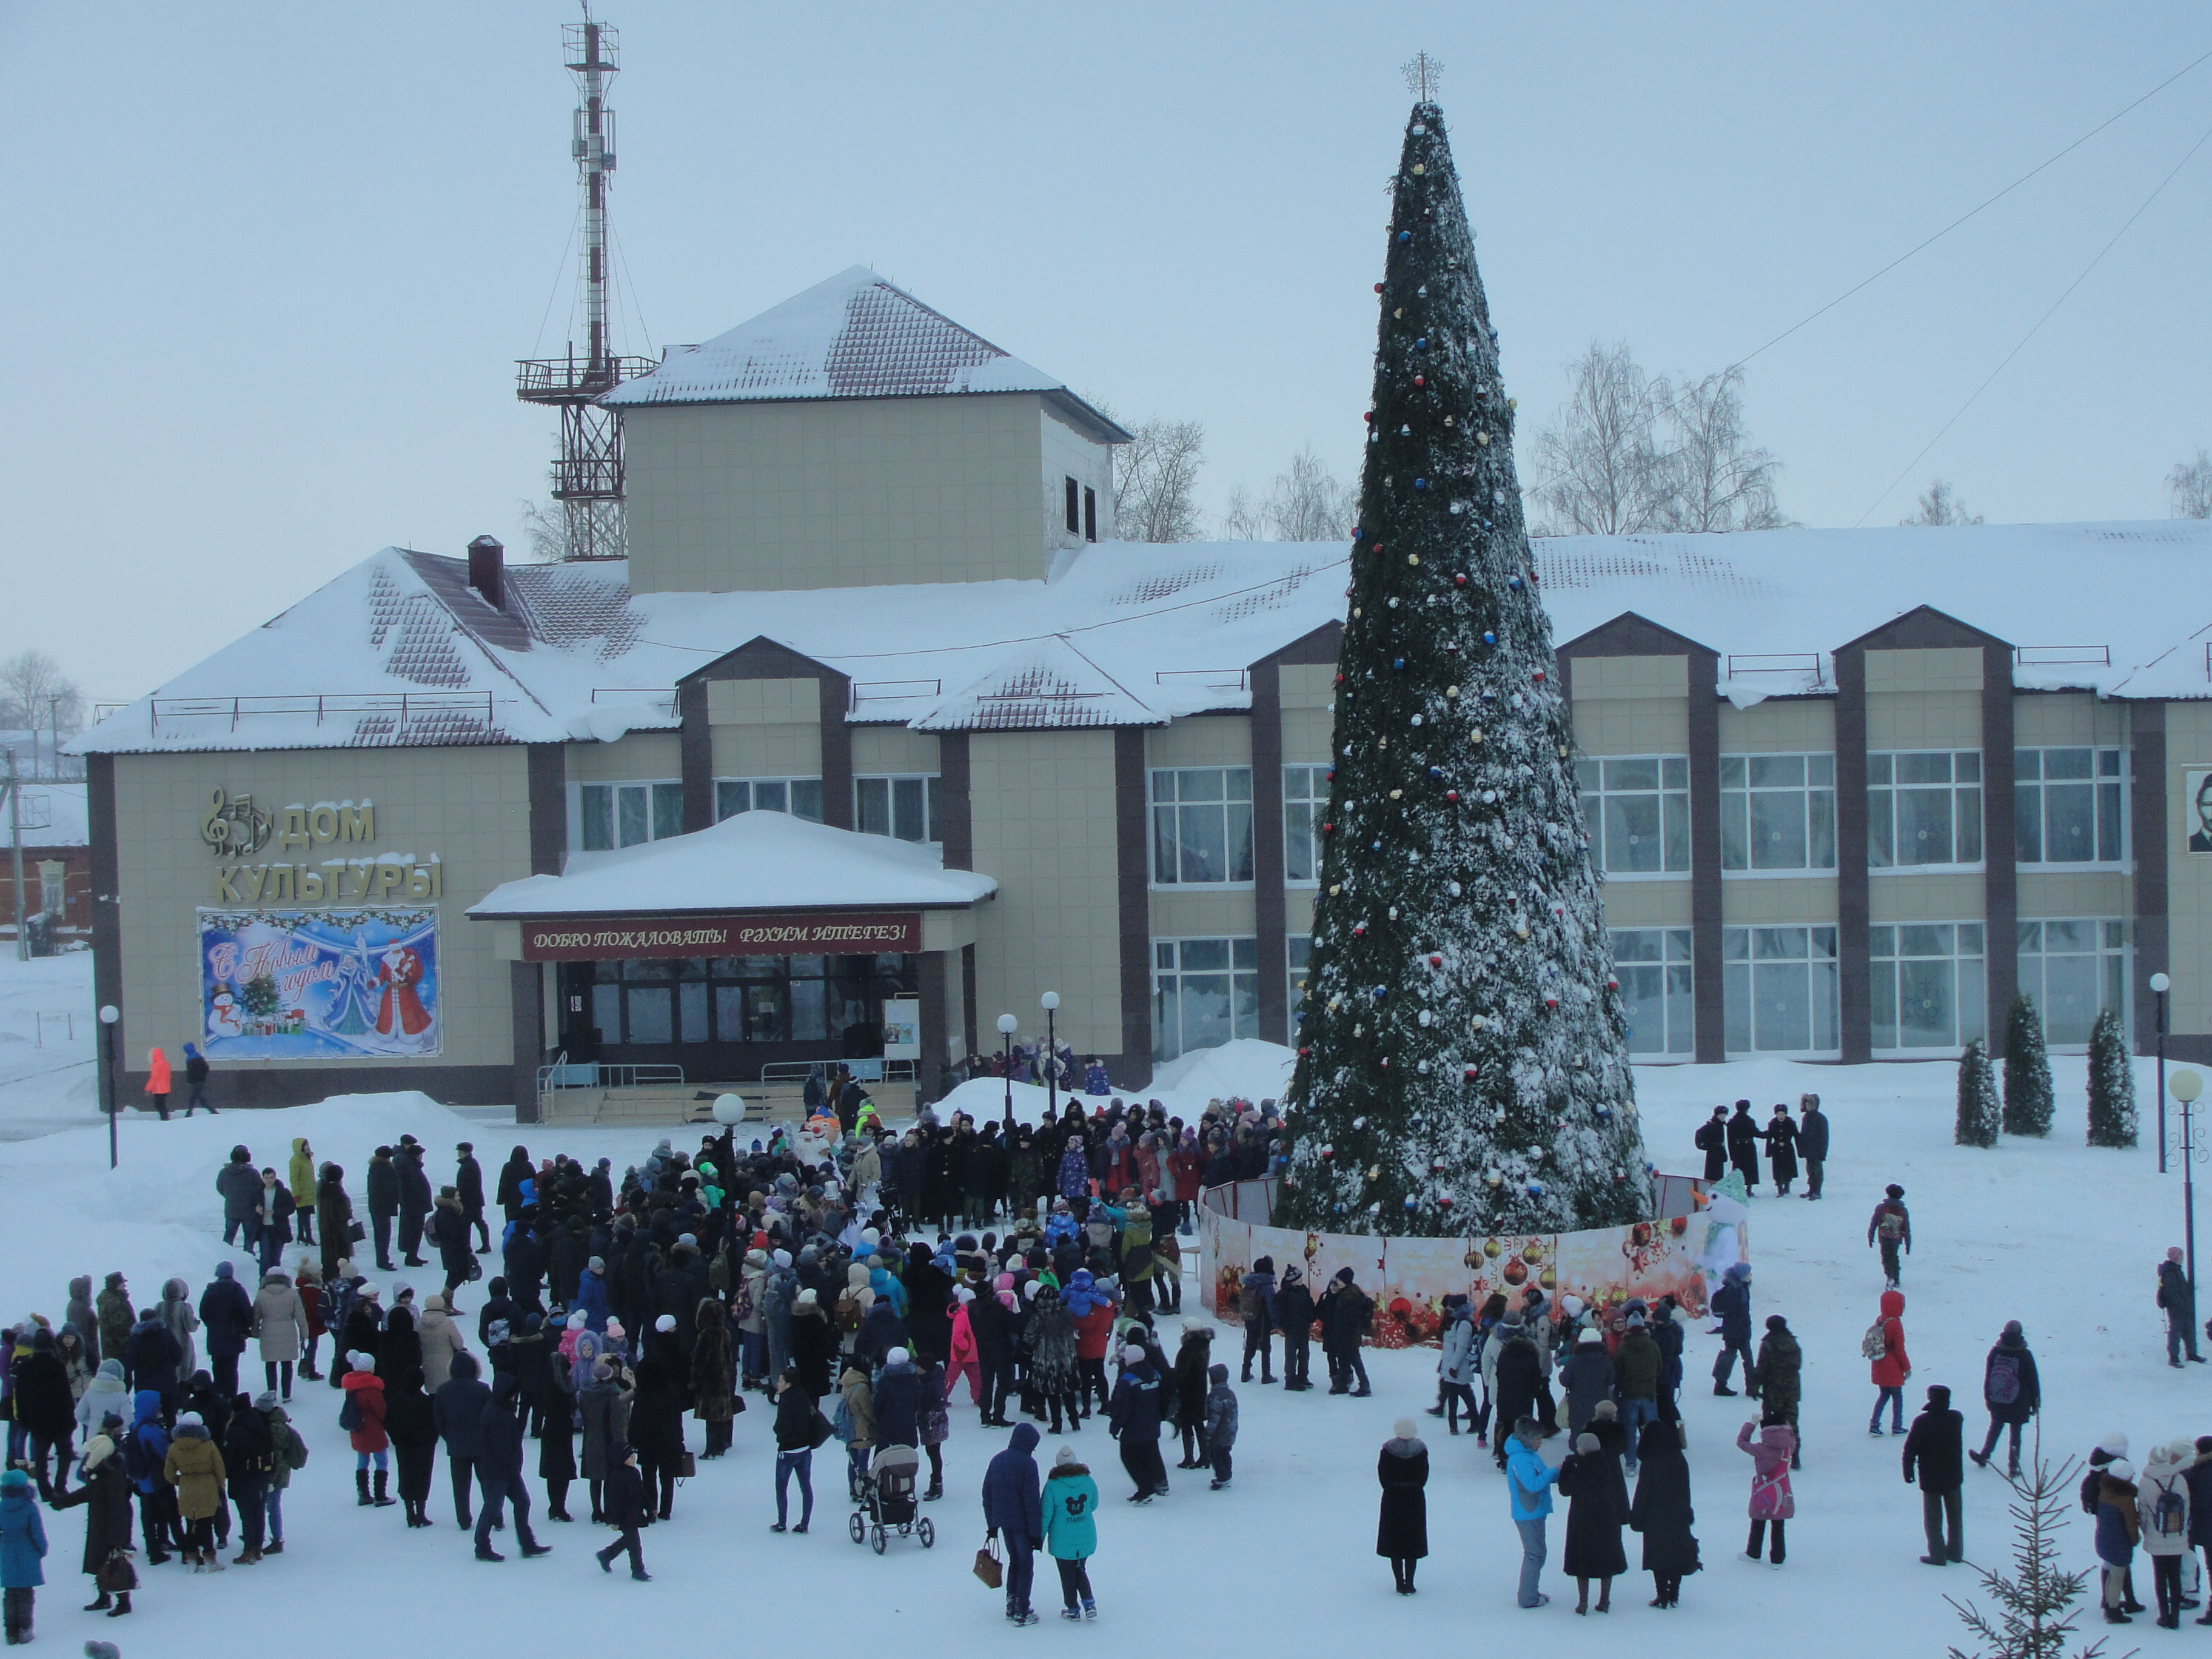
(1412, 1203)
(1489, 639)
(1436, 771)
(1382, 991)
(1420, 342)
(1397, 662)
(1403, 236)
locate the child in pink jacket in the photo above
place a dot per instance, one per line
(963, 1361)
(1771, 1498)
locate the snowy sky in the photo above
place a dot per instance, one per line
(275, 262)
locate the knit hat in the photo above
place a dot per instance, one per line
(598, 1264)
(2119, 1468)
(665, 1322)
(361, 1362)
(1585, 1444)
(1777, 1322)
(1587, 1335)
(578, 1319)
(1133, 1354)
(783, 1258)
(806, 1298)
(1065, 1456)
(897, 1356)
(2012, 1332)
(2113, 1446)
(1217, 1374)
(265, 1401)
(1404, 1429)
(1606, 1410)
(188, 1420)
(370, 1289)
(1635, 1322)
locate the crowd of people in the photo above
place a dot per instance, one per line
(821, 1271)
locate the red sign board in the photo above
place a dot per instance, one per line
(607, 939)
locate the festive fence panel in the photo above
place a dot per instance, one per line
(1409, 1278)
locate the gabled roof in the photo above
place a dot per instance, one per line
(753, 861)
(853, 336)
(1039, 685)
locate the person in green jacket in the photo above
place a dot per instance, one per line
(1071, 1530)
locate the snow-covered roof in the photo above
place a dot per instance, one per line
(2123, 610)
(399, 650)
(53, 815)
(753, 861)
(853, 336)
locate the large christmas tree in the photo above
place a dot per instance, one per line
(1462, 1063)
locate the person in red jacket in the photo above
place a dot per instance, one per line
(364, 1392)
(1093, 1330)
(1185, 1163)
(1884, 1347)
(157, 1081)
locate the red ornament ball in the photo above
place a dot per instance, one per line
(1452, 795)
(1445, 1200)
(1418, 381)
(1537, 675)
(1379, 287)
(1328, 829)
(1459, 580)
(1469, 1074)
(1551, 1002)
(1436, 962)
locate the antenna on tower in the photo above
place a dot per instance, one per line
(588, 475)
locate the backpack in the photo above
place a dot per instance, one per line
(350, 1413)
(2169, 1515)
(843, 1425)
(2002, 1386)
(1893, 1225)
(135, 1461)
(1875, 1343)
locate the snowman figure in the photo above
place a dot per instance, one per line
(224, 1018)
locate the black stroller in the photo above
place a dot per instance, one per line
(888, 1500)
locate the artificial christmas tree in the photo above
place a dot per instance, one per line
(1979, 1109)
(2111, 1085)
(2028, 1093)
(1463, 1057)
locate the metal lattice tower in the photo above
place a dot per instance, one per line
(588, 475)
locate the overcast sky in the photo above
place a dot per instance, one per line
(270, 264)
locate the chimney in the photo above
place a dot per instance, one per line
(488, 568)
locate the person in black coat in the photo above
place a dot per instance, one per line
(410, 1418)
(1294, 1316)
(1589, 1481)
(1662, 1512)
(1517, 1379)
(2014, 1393)
(1743, 1145)
(414, 1201)
(1133, 1419)
(43, 1407)
(457, 1413)
(928, 1305)
(106, 1496)
(1711, 1139)
(656, 1430)
(1781, 1137)
(468, 1188)
(1402, 1531)
(1932, 1451)
(625, 1508)
(498, 1470)
(383, 1204)
(1013, 1508)
(226, 1317)
(1812, 1141)
(512, 1174)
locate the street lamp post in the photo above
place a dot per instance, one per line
(109, 1014)
(1050, 1003)
(1007, 1026)
(2159, 985)
(2186, 1087)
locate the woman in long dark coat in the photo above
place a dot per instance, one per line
(1661, 1511)
(105, 1495)
(557, 1440)
(1402, 1531)
(1781, 1133)
(1590, 1482)
(714, 1376)
(409, 1420)
(334, 1221)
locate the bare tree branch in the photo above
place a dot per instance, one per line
(1940, 505)
(2190, 482)
(36, 696)
(1156, 481)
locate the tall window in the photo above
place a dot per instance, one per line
(1090, 514)
(2067, 805)
(801, 797)
(1205, 992)
(1074, 514)
(1779, 987)
(2073, 970)
(1202, 826)
(1925, 807)
(1653, 966)
(627, 814)
(1637, 811)
(1928, 980)
(905, 808)
(53, 887)
(1300, 952)
(1305, 800)
(1778, 811)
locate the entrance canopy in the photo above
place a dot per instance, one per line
(760, 883)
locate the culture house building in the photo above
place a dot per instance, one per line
(879, 732)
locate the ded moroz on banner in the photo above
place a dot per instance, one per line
(354, 983)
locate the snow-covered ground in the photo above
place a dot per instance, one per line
(48, 1043)
(2060, 1237)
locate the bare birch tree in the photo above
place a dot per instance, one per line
(2190, 484)
(1715, 478)
(1940, 505)
(36, 696)
(1156, 481)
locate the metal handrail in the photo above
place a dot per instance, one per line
(322, 706)
(2062, 656)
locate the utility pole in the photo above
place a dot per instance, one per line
(15, 846)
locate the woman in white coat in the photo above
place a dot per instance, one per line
(2162, 1511)
(280, 1326)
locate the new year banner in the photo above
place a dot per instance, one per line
(359, 984)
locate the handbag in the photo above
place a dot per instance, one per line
(986, 1564)
(356, 1231)
(818, 1430)
(687, 1464)
(116, 1575)
(476, 1270)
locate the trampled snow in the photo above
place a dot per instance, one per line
(2052, 1233)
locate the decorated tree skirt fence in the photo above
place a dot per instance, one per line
(1409, 1278)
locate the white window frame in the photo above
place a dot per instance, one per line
(1173, 807)
(1891, 946)
(1240, 957)
(1744, 949)
(1297, 958)
(1670, 970)
(929, 804)
(791, 787)
(1741, 790)
(1305, 798)
(661, 802)
(1594, 783)
(2109, 958)
(2107, 786)
(1882, 791)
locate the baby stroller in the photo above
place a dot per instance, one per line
(887, 1500)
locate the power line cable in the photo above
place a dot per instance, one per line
(2037, 326)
